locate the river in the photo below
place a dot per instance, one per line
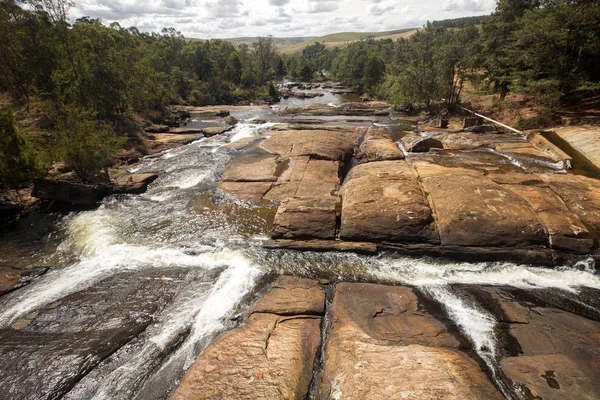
(177, 265)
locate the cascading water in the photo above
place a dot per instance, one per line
(184, 224)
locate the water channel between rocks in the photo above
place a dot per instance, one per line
(144, 283)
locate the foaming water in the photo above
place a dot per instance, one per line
(184, 222)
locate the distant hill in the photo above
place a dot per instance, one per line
(291, 45)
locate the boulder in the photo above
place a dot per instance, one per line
(379, 146)
(9, 212)
(472, 210)
(230, 120)
(66, 192)
(146, 179)
(383, 202)
(383, 345)
(157, 129)
(472, 121)
(414, 143)
(222, 113)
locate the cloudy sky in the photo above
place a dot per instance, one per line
(233, 18)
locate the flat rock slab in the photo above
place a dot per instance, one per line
(246, 191)
(382, 201)
(301, 217)
(251, 168)
(42, 357)
(381, 346)
(581, 194)
(565, 230)
(584, 139)
(321, 144)
(379, 146)
(358, 109)
(559, 351)
(271, 356)
(472, 210)
(292, 295)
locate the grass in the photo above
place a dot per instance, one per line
(292, 45)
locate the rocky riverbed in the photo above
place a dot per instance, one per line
(321, 256)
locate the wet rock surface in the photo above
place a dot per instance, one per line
(15, 278)
(382, 201)
(479, 195)
(552, 344)
(271, 356)
(379, 146)
(44, 358)
(382, 345)
(353, 109)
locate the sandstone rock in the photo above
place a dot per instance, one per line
(462, 141)
(414, 143)
(246, 191)
(472, 210)
(157, 129)
(229, 120)
(13, 278)
(382, 346)
(358, 109)
(559, 357)
(251, 168)
(565, 230)
(291, 295)
(379, 146)
(44, 357)
(584, 139)
(136, 178)
(315, 143)
(270, 357)
(323, 245)
(67, 192)
(382, 201)
(581, 195)
(300, 218)
(482, 129)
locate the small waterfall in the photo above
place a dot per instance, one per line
(478, 326)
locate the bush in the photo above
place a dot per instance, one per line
(19, 162)
(87, 145)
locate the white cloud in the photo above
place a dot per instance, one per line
(231, 18)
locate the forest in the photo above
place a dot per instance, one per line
(547, 48)
(88, 76)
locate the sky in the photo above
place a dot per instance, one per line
(207, 19)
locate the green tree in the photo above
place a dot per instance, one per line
(87, 145)
(19, 162)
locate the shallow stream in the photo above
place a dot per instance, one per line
(183, 260)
